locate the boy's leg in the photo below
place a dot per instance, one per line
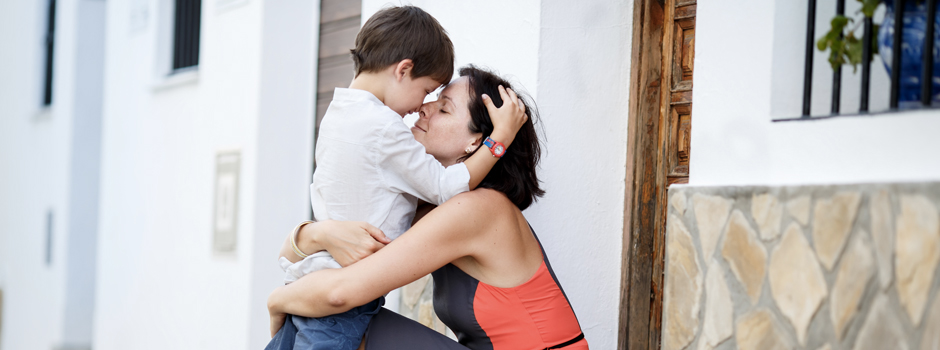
(340, 332)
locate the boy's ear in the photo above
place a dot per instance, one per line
(403, 69)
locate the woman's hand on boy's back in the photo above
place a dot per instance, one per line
(508, 118)
(347, 241)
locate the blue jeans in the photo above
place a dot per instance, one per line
(335, 332)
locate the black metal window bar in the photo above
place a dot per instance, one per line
(186, 34)
(926, 72)
(50, 44)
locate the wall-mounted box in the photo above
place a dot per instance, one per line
(225, 212)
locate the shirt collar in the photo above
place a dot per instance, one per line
(346, 94)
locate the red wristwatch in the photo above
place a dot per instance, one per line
(498, 149)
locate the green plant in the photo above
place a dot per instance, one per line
(847, 47)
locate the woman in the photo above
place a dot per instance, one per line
(493, 283)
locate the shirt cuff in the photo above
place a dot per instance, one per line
(456, 180)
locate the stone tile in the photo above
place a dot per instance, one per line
(917, 250)
(426, 314)
(683, 288)
(882, 234)
(796, 280)
(767, 213)
(437, 324)
(719, 310)
(855, 270)
(746, 255)
(711, 212)
(832, 220)
(931, 340)
(882, 328)
(760, 330)
(678, 202)
(411, 293)
(799, 209)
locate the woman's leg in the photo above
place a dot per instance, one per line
(391, 331)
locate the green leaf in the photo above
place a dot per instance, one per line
(834, 42)
(839, 22)
(869, 7)
(853, 50)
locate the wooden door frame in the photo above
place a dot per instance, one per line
(644, 170)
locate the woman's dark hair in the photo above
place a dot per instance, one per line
(514, 173)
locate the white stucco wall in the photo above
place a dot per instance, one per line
(290, 34)
(573, 58)
(160, 285)
(735, 143)
(158, 278)
(48, 164)
(583, 84)
(33, 145)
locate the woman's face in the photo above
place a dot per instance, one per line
(442, 126)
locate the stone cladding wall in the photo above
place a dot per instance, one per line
(803, 267)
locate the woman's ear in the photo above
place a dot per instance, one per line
(403, 69)
(474, 144)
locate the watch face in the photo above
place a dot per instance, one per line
(499, 149)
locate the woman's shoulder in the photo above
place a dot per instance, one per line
(483, 196)
(481, 202)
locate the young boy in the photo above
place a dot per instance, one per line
(369, 166)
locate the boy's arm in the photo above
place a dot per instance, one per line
(405, 166)
(507, 119)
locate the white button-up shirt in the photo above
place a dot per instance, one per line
(370, 168)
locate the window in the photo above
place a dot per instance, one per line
(902, 49)
(50, 44)
(186, 34)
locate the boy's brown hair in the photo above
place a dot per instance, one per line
(406, 32)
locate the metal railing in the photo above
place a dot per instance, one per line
(926, 71)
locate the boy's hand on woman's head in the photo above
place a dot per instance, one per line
(509, 117)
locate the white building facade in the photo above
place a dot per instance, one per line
(113, 199)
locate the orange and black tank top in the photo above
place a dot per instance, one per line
(535, 315)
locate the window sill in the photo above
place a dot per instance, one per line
(226, 5)
(180, 77)
(43, 113)
(856, 114)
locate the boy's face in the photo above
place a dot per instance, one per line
(406, 95)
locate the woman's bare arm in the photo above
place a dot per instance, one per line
(442, 236)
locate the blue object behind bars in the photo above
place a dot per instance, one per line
(915, 24)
